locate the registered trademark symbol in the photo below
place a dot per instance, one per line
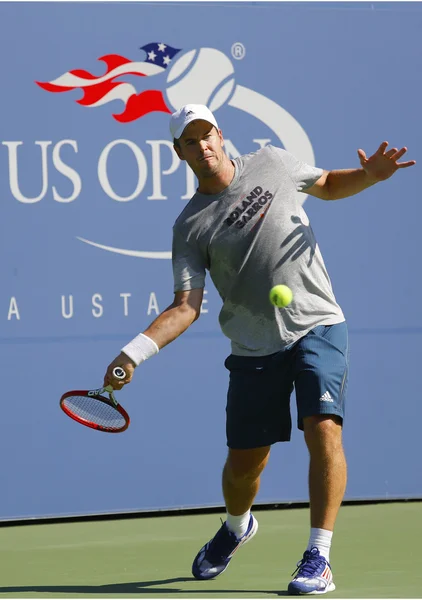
(238, 51)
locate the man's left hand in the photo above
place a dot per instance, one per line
(384, 163)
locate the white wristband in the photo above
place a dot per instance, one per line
(140, 348)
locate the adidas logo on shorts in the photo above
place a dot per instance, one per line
(326, 397)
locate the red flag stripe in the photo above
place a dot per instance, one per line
(51, 87)
(96, 92)
(141, 104)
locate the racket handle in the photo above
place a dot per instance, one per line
(119, 373)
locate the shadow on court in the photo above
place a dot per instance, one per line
(136, 587)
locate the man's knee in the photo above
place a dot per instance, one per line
(323, 431)
(243, 465)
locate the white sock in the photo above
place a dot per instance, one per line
(321, 538)
(239, 524)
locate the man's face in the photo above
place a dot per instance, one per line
(201, 145)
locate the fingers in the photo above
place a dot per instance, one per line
(395, 155)
(110, 380)
(361, 155)
(382, 148)
(409, 163)
(107, 377)
(118, 383)
(128, 367)
(398, 153)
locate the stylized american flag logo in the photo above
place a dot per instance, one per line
(99, 90)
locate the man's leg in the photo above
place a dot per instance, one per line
(241, 478)
(258, 415)
(327, 484)
(321, 383)
(327, 469)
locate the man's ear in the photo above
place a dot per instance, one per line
(220, 135)
(178, 151)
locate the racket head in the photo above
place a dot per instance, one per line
(92, 409)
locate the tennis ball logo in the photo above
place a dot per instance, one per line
(203, 76)
(281, 296)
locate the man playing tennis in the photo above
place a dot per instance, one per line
(246, 226)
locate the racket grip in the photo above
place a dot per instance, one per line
(119, 373)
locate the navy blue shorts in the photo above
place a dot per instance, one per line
(258, 399)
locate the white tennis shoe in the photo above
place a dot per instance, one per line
(312, 576)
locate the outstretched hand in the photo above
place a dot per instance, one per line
(383, 164)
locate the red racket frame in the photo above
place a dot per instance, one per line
(89, 394)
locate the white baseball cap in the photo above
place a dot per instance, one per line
(185, 115)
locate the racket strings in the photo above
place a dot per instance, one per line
(95, 411)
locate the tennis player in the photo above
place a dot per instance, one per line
(246, 226)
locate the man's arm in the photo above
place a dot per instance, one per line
(333, 185)
(171, 323)
(175, 319)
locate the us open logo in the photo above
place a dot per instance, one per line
(198, 76)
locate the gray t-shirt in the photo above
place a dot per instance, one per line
(251, 236)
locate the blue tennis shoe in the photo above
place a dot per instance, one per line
(215, 556)
(312, 576)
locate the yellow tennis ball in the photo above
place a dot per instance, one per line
(281, 296)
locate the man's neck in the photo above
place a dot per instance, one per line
(217, 183)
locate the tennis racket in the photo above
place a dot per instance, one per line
(92, 409)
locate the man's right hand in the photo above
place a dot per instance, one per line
(125, 363)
